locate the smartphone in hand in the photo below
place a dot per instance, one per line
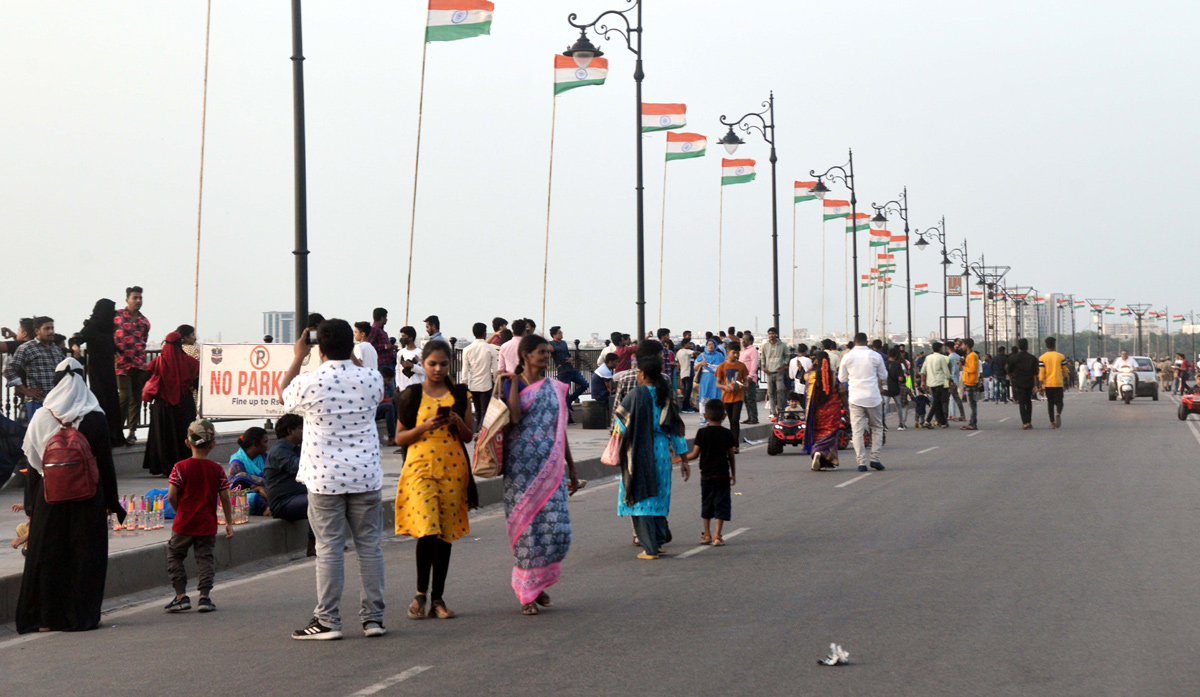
(443, 412)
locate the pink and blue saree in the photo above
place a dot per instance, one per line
(535, 489)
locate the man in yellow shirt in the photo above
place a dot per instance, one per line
(970, 380)
(1050, 380)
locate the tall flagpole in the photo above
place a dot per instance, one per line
(846, 276)
(720, 230)
(412, 226)
(662, 239)
(793, 269)
(822, 276)
(203, 132)
(549, 188)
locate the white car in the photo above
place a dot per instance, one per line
(1147, 380)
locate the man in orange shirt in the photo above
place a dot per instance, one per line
(1050, 380)
(731, 379)
(970, 378)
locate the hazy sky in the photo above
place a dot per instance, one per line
(1058, 138)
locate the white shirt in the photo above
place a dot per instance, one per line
(1122, 362)
(684, 357)
(508, 355)
(797, 369)
(835, 360)
(340, 452)
(404, 381)
(480, 361)
(863, 369)
(366, 355)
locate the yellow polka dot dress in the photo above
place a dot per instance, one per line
(432, 495)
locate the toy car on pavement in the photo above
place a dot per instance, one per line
(1189, 404)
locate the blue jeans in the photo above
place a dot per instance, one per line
(30, 408)
(973, 403)
(571, 376)
(387, 412)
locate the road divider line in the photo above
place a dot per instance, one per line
(848, 483)
(928, 450)
(394, 680)
(1005, 419)
(1195, 431)
(974, 434)
(701, 548)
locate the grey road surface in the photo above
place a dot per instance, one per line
(997, 563)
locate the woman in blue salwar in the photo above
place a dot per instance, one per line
(651, 429)
(706, 373)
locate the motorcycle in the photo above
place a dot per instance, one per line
(1126, 384)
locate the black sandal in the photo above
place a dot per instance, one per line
(419, 602)
(543, 599)
(529, 609)
(439, 611)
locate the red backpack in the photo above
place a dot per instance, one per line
(69, 470)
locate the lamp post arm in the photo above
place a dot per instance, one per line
(604, 30)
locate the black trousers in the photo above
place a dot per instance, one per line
(481, 400)
(433, 554)
(941, 398)
(1024, 399)
(1054, 400)
(734, 411)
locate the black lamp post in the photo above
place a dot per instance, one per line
(989, 278)
(1099, 305)
(845, 175)
(960, 254)
(583, 51)
(938, 232)
(879, 222)
(1139, 311)
(301, 188)
(731, 141)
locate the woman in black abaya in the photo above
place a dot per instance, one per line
(173, 408)
(62, 588)
(97, 334)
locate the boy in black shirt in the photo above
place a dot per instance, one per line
(715, 447)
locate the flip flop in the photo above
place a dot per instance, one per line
(705, 539)
(718, 542)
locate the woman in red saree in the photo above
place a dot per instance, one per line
(823, 427)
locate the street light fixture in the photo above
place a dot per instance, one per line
(583, 51)
(731, 141)
(1139, 311)
(879, 221)
(938, 232)
(844, 174)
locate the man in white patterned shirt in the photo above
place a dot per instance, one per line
(339, 464)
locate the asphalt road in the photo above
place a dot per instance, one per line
(996, 563)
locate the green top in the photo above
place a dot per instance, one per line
(775, 356)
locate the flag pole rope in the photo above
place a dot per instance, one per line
(662, 239)
(200, 196)
(549, 188)
(412, 226)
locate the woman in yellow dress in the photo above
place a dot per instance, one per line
(436, 488)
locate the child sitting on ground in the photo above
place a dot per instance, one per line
(195, 485)
(715, 446)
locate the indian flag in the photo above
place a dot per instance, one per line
(887, 256)
(836, 209)
(1177, 318)
(1124, 311)
(804, 192)
(568, 76)
(736, 171)
(682, 146)
(898, 243)
(862, 221)
(866, 281)
(451, 20)
(977, 295)
(921, 289)
(1110, 310)
(879, 238)
(663, 117)
(1079, 304)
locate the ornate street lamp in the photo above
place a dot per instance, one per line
(844, 174)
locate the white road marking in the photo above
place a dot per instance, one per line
(928, 450)
(701, 548)
(395, 679)
(974, 434)
(1195, 431)
(1005, 419)
(851, 481)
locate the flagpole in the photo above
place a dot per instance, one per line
(720, 230)
(662, 237)
(412, 227)
(203, 132)
(846, 275)
(793, 269)
(822, 274)
(549, 188)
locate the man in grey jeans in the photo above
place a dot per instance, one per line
(339, 464)
(775, 356)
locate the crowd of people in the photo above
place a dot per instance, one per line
(325, 465)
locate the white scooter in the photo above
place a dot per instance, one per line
(1126, 384)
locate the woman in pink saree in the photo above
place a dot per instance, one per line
(539, 474)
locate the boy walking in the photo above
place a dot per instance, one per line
(716, 447)
(731, 379)
(195, 485)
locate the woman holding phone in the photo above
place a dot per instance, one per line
(436, 488)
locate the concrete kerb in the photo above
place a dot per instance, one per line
(145, 568)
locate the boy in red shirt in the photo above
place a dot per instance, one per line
(196, 484)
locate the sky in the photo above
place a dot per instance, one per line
(1057, 138)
